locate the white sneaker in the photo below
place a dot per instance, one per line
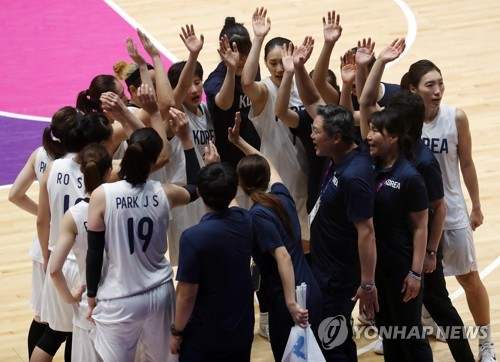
(365, 320)
(378, 348)
(487, 352)
(435, 331)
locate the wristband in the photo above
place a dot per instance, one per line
(175, 332)
(430, 252)
(415, 275)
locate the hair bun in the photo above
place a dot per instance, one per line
(230, 21)
(120, 68)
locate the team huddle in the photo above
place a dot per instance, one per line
(353, 190)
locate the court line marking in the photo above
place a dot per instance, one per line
(134, 24)
(411, 33)
(24, 117)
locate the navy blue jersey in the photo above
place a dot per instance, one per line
(389, 90)
(400, 190)
(225, 118)
(215, 254)
(347, 196)
(270, 233)
(428, 166)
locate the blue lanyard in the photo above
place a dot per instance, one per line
(324, 185)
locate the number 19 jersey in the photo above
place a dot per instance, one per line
(136, 220)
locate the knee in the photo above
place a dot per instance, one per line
(470, 282)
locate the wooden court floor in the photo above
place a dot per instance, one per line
(461, 37)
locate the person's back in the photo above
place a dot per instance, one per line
(215, 254)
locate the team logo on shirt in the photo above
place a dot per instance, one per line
(335, 181)
(436, 145)
(393, 184)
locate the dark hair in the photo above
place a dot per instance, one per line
(390, 120)
(175, 71)
(144, 146)
(354, 50)
(273, 43)
(419, 69)
(411, 109)
(91, 128)
(54, 135)
(236, 33)
(217, 184)
(404, 83)
(337, 119)
(254, 175)
(89, 100)
(331, 78)
(95, 161)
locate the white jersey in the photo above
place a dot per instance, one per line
(284, 150)
(42, 159)
(441, 136)
(65, 188)
(202, 131)
(80, 212)
(136, 220)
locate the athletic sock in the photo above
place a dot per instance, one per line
(485, 335)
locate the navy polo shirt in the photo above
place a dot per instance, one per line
(270, 233)
(225, 118)
(400, 190)
(215, 254)
(428, 167)
(347, 197)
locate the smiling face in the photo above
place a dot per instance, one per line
(430, 88)
(380, 141)
(274, 64)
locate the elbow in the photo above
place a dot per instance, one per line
(13, 197)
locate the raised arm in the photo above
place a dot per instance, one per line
(230, 56)
(164, 93)
(468, 167)
(285, 114)
(113, 106)
(25, 178)
(145, 94)
(256, 91)
(332, 30)
(348, 74)
(369, 95)
(233, 134)
(308, 92)
(364, 55)
(194, 46)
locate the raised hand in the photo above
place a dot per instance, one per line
(331, 27)
(147, 99)
(211, 155)
(287, 57)
(233, 133)
(148, 45)
(179, 123)
(393, 50)
(348, 67)
(133, 53)
(260, 23)
(229, 55)
(113, 105)
(304, 51)
(192, 43)
(364, 52)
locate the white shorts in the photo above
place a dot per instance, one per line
(459, 255)
(37, 281)
(82, 348)
(55, 311)
(121, 322)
